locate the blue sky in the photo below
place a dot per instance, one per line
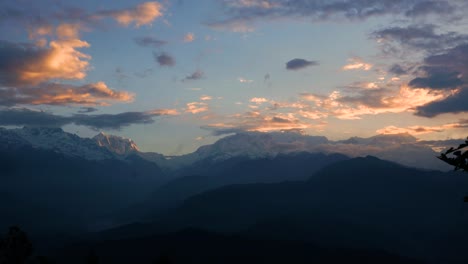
(174, 75)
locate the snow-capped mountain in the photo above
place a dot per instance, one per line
(116, 144)
(403, 148)
(54, 139)
(259, 145)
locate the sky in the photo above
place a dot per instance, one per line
(175, 75)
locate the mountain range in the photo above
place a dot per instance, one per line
(279, 190)
(402, 148)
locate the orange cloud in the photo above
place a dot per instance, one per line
(206, 98)
(258, 100)
(165, 112)
(90, 94)
(357, 63)
(30, 65)
(256, 121)
(381, 101)
(196, 107)
(189, 37)
(418, 130)
(142, 14)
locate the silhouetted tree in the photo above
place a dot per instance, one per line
(15, 248)
(457, 157)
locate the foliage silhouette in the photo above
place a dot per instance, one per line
(15, 248)
(458, 156)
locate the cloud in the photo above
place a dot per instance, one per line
(206, 98)
(164, 59)
(26, 64)
(234, 26)
(447, 71)
(297, 64)
(189, 37)
(84, 110)
(142, 14)
(196, 75)
(397, 69)
(256, 121)
(196, 107)
(357, 63)
(244, 80)
(420, 37)
(150, 42)
(360, 102)
(453, 104)
(28, 117)
(258, 100)
(243, 11)
(63, 94)
(438, 78)
(418, 130)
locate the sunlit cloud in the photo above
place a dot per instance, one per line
(258, 100)
(189, 37)
(418, 130)
(244, 80)
(372, 102)
(60, 94)
(196, 107)
(357, 63)
(206, 98)
(142, 14)
(25, 64)
(260, 122)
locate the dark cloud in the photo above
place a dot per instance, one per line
(84, 110)
(438, 78)
(112, 121)
(164, 59)
(196, 75)
(397, 70)
(297, 64)
(27, 117)
(456, 103)
(150, 42)
(447, 70)
(248, 11)
(427, 7)
(14, 60)
(421, 37)
(444, 71)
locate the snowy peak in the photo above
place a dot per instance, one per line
(54, 139)
(116, 144)
(257, 145)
